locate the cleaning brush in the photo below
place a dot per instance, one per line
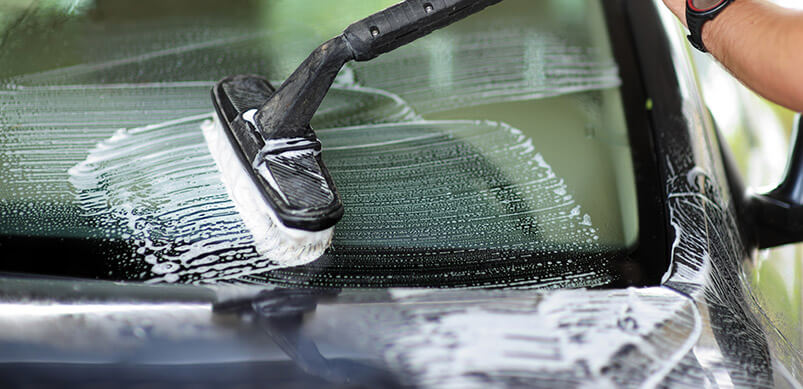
(269, 156)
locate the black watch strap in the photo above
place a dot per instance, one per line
(695, 19)
(696, 30)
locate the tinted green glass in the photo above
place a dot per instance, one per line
(493, 152)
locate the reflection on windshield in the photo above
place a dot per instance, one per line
(112, 148)
(454, 70)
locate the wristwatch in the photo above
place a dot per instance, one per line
(697, 13)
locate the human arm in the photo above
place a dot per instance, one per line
(761, 44)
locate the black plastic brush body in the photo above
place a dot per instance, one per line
(269, 130)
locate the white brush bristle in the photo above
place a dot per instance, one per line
(272, 239)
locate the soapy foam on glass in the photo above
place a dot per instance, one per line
(157, 186)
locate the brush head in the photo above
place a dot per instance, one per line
(280, 186)
(285, 164)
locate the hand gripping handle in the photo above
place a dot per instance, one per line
(405, 22)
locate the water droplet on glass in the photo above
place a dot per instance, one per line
(628, 324)
(166, 267)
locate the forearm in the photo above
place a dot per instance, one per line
(761, 44)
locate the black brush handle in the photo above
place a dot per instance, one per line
(405, 22)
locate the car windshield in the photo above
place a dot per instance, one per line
(493, 152)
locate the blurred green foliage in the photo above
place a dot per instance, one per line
(786, 116)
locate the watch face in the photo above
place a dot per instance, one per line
(704, 5)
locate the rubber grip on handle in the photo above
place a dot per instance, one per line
(405, 22)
